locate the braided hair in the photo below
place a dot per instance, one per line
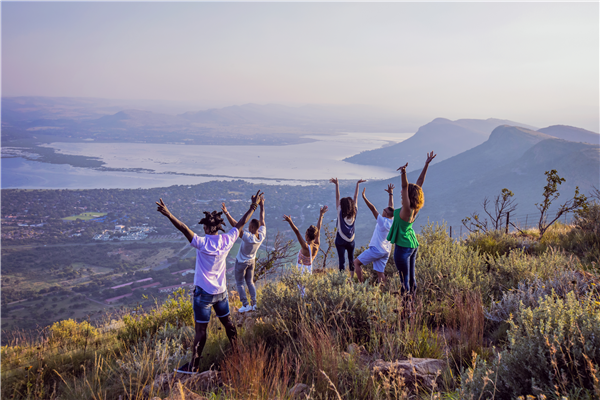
(213, 221)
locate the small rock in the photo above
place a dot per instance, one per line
(298, 390)
(421, 371)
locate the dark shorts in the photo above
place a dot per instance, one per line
(203, 302)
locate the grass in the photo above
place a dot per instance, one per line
(328, 338)
(85, 216)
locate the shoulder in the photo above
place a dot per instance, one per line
(233, 232)
(197, 241)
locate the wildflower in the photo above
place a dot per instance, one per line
(28, 367)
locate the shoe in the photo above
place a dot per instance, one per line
(253, 308)
(245, 308)
(187, 368)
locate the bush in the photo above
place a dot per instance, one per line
(69, 332)
(493, 243)
(554, 350)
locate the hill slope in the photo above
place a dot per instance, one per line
(571, 133)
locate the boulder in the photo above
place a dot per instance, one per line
(299, 391)
(414, 371)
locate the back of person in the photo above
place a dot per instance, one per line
(379, 238)
(250, 244)
(211, 255)
(345, 226)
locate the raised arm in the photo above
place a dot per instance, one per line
(261, 203)
(337, 191)
(356, 192)
(240, 224)
(405, 212)
(231, 220)
(319, 222)
(369, 204)
(390, 190)
(301, 240)
(421, 180)
(187, 232)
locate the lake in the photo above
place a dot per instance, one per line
(171, 164)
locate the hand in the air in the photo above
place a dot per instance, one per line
(390, 188)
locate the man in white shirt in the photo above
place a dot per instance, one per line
(379, 247)
(209, 279)
(245, 262)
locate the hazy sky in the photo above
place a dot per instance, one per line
(537, 63)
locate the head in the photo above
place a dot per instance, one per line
(415, 196)
(212, 222)
(347, 206)
(311, 234)
(253, 226)
(388, 212)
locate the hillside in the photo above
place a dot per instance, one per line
(450, 137)
(572, 133)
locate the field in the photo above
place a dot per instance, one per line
(85, 216)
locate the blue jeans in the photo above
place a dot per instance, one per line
(404, 258)
(342, 247)
(204, 301)
(244, 271)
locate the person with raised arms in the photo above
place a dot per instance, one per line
(346, 218)
(309, 244)
(209, 279)
(402, 233)
(379, 247)
(245, 261)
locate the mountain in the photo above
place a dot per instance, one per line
(571, 133)
(447, 138)
(514, 158)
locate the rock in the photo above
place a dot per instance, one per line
(298, 391)
(357, 352)
(166, 383)
(415, 371)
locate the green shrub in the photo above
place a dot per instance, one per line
(69, 332)
(493, 243)
(554, 349)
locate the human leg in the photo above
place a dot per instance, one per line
(240, 271)
(358, 268)
(249, 276)
(401, 259)
(229, 330)
(411, 265)
(340, 246)
(199, 342)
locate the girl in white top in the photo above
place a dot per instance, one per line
(309, 244)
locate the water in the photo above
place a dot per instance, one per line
(192, 164)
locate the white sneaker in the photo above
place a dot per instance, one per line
(245, 308)
(253, 308)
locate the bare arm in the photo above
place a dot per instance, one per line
(319, 222)
(421, 180)
(369, 204)
(261, 203)
(187, 232)
(390, 190)
(405, 212)
(356, 192)
(231, 220)
(301, 240)
(240, 224)
(337, 191)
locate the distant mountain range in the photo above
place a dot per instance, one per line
(512, 157)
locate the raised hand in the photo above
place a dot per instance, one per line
(288, 219)
(324, 209)
(224, 208)
(162, 208)
(361, 181)
(430, 157)
(390, 188)
(403, 168)
(261, 200)
(334, 181)
(363, 192)
(255, 197)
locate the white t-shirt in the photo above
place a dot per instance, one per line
(211, 255)
(250, 244)
(379, 238)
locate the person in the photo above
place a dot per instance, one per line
(245, 261)
(209, 280)
(346, 218)
(379, 247)
(309, 244)
(401, 233)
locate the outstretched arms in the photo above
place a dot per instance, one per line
(187, 232)
(301, 240)
(390, 190)
(421, 180)
(405, 212)
(261, 203)
(369, 204)
(319, 222)
(337, 191)
(231, 220)
(356, 192)
(240, 224)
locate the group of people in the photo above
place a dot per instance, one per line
(393, 226)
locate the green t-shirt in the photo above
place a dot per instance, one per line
(402, 233)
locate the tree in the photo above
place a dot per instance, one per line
(577, 203)
(330, 240)
(282, 251)
(503, 205)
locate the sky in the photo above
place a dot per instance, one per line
(536, 63)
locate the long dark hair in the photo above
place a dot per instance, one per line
(213, 221)
(348, 209)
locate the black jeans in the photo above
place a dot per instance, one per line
(342, 246)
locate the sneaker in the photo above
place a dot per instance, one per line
(187, 368)
(254, 308)
(245, 308)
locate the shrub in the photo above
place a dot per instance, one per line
(69, 332)
(554, 350)
(493, 243)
